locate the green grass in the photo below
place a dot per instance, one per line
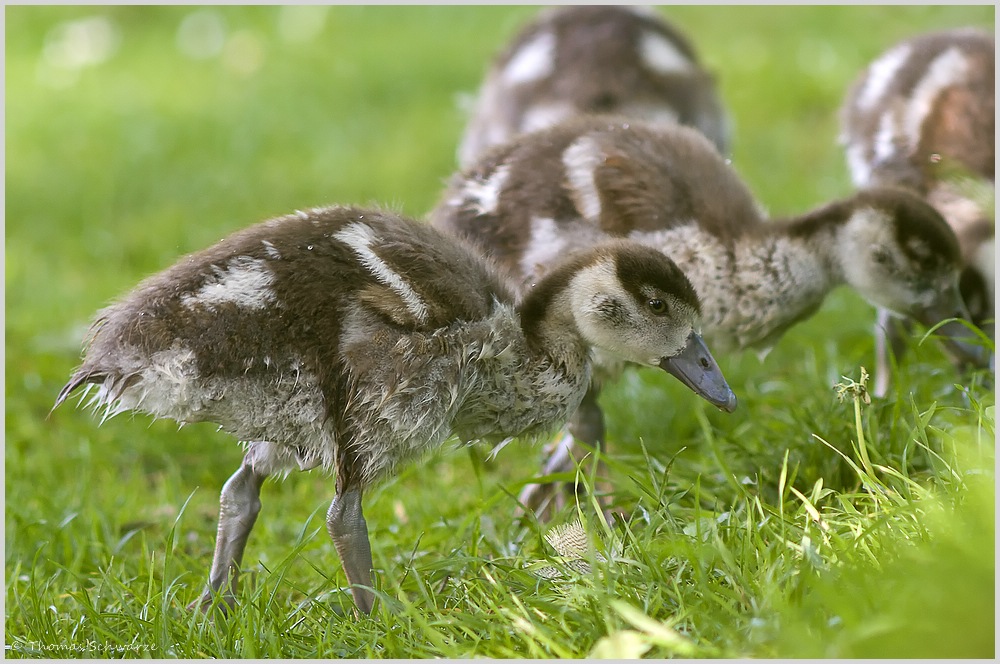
(774, 531)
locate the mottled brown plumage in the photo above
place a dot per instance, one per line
(577, 60)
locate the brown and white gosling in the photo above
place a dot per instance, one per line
(552, 193)
(358, 340)
(578, 60)
(922, 116)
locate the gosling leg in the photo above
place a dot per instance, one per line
(543, 499)
(346, 524)
(239, 504)
(890, 337)
(586, 425)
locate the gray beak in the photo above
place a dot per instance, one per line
(695, 367)
(959, 340)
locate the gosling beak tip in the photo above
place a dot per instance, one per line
(695, 367)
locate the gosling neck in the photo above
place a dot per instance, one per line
(755, 285)
(819, 233)
(781, 276)
(547, 320)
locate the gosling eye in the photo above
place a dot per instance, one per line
(881, 256)
(657, 306)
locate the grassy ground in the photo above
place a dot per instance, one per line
(808, 523)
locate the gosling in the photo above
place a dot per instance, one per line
(922, 116)
(577, 60)
(558, 191)
(358, 340)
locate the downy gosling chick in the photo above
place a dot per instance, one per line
(358, 340)
(921, 116)
(552, 193)
(578, 60)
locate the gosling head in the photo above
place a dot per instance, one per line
(634, 303)
(899, 253)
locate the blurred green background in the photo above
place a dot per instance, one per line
(137, 134)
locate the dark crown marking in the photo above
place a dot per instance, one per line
(641, 267)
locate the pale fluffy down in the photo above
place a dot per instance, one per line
(535, 60)
(245, 282)
(483, 196)
(662, 55)
(580, 160)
